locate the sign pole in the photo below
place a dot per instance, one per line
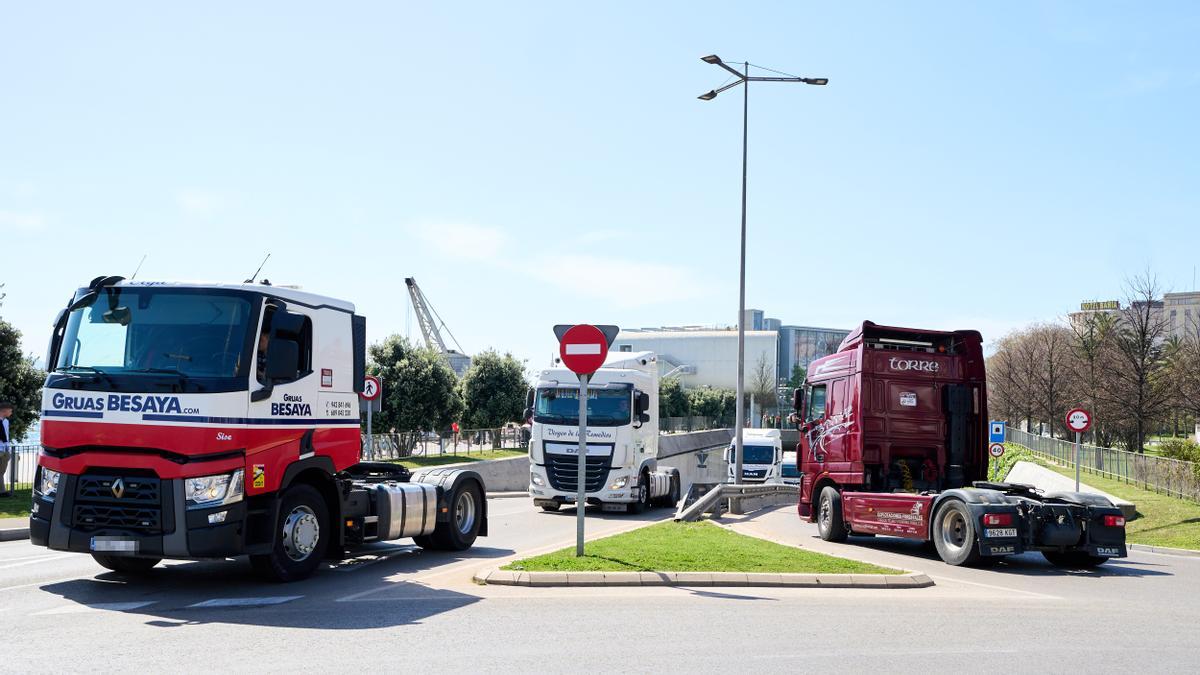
(1077, 460)
(580, 495)
(370, 444)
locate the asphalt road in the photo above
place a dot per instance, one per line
(396, 607)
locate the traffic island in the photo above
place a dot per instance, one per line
(695, 554)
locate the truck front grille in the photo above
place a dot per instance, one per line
(124, 502)
(563, 471)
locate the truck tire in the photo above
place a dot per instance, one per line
(466, 513)
(643, 502)
(126, 564)
(551, 507)
(830, 524)
(954, 534)
(1073, 559)
(302, 534)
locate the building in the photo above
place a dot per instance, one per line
(1180, 311)
(704, 357)
(800, 345)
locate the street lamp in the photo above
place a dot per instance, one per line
(744, 78)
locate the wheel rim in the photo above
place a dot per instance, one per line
(954, 531)
(464, 512)
(825, 516)
(301, 533)
(643, 490)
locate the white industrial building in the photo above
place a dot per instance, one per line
(703, 358)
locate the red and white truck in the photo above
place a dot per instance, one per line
(197, 421)
(893, 441)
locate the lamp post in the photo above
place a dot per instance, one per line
(743, 78)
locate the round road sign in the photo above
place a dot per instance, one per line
(583, 349)
(1079, 420)
(996, 450)
(372, 388)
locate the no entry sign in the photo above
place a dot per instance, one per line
(1079, 420)
(583, 347)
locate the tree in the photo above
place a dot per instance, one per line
(672, 400)
(20, 381)
(1138, 384)
(1053, 381)
(1092, 345)
(762, 384)
(493, 391)
(796, 381)
(719, 404)
(419, 388)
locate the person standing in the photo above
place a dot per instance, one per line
(6, 410)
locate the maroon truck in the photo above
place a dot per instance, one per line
(893, 441)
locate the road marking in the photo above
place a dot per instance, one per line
(244, 602)
(98, 607)
(1006, 589)
(40, 556)
(38, 560)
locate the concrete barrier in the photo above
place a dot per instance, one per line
(510, 474)
(1051, 481)
(696, 455)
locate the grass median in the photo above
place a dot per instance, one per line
(423, 461)
(691, 547)
(16, 505)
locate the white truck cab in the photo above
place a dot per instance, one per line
(762, 456)
(622, 437)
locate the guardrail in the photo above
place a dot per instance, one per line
(1172, 477)
(691, 509)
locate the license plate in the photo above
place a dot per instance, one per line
(114, 544)
(998, 532)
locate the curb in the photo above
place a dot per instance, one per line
(14, 534)
(498, 577)
(1163, 550)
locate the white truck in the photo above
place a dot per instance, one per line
(762, 456)
(622, 471)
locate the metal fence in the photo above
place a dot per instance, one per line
(671, 425)
(1172, 477)
(429, 444)
(22, 462)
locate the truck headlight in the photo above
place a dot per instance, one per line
(206, 491)
(48, 483)
(619, 483)
(536, 479)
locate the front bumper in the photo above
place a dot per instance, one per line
(177, 532)
(546, 492)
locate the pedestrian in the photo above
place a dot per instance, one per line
(6, 410)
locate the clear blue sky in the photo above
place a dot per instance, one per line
(532, 164)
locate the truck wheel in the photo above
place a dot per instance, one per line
(1073, 559)
(673, 498)
(954, 534)
(643, 496)
(830, 525)
(125, 564)
(301, 536)
(466, 512)
(551, 507)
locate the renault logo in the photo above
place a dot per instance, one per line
(118, 488)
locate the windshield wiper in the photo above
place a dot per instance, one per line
(107, 378)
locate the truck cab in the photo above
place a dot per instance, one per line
(192, 420)
(762, 456)
(622, 437)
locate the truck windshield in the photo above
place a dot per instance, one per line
(155, 332)
(790, 471)
(605, 407)
(755, 454)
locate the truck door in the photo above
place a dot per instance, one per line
(827, 431)
(283, 396)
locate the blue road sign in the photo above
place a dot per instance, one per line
(997, 432)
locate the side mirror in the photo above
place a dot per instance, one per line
(798, 399)
(529, 401)
(282, 359)
(641, 403)
(644, 417)
(527, 415)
